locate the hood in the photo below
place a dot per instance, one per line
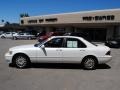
(22, 47)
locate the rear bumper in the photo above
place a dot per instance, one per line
(104, 59)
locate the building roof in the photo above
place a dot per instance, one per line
(80, 12)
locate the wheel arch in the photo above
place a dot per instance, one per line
(90, 56)
(17, 54)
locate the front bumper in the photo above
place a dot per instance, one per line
(8, 58)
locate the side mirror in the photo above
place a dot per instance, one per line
(43, 46)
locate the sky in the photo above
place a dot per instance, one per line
(10, 10)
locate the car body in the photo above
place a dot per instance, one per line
(113, 43)
(59, 49)
(23, 36)
(7, 35)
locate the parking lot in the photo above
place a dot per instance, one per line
(57, 76)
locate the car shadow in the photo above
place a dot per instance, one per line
(65, 66)
(103, 66)
(56, 66)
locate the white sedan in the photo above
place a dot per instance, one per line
(7, 35)
(60, 49)
(23, 36)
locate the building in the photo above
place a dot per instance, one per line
(98, 24)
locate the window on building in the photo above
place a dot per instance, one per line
(41, 20)
(51, 20)
(32, 21)
(22, 21)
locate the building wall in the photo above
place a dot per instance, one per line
(106, 19)
(99, 16)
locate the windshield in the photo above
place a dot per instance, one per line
(40, 43)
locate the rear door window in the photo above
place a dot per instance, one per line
(74, 43)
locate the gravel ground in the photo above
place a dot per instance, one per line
(57, 76)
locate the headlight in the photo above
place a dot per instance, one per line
(10, 52)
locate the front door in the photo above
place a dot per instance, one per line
(51, 52)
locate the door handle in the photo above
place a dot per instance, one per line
(82, 50)
(58, 49)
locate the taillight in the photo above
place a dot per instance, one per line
(108, 53)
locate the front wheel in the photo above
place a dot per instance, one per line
(14, 38)
(29, 38)
(21, 61)
(89, 63)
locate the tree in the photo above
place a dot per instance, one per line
(24, 15)
(2, 20)
(7, 23)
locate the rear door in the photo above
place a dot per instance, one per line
(74, 50)
(8, 35)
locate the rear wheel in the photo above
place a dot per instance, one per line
(89, 63)
(21, 61)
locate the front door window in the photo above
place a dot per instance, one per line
(55, 43)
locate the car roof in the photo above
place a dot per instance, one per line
(66, 37)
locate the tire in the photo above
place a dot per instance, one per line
(14, 38)
(29, 38)
(89, 63)
(3, 37)
(21, 61)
